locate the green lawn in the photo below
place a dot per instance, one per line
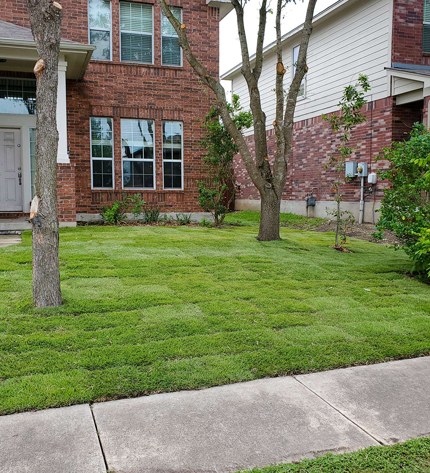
(151, 309)
(251, 217)
(410, 457)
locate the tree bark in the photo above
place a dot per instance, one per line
(269, 180)
(270, 216)
(45, 19)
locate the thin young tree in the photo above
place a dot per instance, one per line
(268, 178)
(45, 19)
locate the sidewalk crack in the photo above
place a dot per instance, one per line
(99, 439)
(381, 442)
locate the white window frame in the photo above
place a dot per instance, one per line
(143, 160)
(304, 82)
(170, 36)
(135, 32)
(102, 159)
(100, 29)
(173, 160)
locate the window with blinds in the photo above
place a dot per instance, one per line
(171, 51)
(99, 22)
(136, 24)
(426, 29)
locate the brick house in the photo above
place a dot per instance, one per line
(129, 108)
(389, 40)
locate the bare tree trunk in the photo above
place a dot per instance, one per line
(270, 216)
(45, 19)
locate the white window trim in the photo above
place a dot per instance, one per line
(170, 36)
(135, 32)
(101, 159)
(173, 160)
(142, 160)
(305, 82)
(100, 29)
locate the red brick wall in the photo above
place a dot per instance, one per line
(313, 144)
(66, 192)
(408, 32)
(120, 90)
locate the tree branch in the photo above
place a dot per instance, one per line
(219, 92)
(280, 167)
(260, 41)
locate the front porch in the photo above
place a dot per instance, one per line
(18, 124)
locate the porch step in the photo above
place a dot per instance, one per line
(14, 224)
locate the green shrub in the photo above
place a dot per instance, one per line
(205, 223)
(136, 205)
(405, 208)
(114, 214)
(151, 214)
(183, 219)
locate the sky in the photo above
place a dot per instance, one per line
(294, 15)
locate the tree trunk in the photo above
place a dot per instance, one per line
(270, 216)
(45, 19)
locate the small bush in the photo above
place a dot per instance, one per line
(205, 223)
(151, 214)
(183, 219)
(405, 208)
(115, 213)
(136, 205)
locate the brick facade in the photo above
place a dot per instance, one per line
(129, 90)
(314, 143)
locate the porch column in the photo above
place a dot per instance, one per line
(62, 156)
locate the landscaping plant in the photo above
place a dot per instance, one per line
(221, 149)
(405, 208)
(115, 213)
(343, 123)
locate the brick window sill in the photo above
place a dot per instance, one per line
(138, 64)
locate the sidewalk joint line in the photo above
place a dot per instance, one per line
(381, 442)
(99, 439)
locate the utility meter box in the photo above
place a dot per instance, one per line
(350, 169)
(362, 170)
(372, 178)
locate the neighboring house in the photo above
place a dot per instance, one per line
(389, 40)
(129, 107)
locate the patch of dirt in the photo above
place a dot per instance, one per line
(362, 232)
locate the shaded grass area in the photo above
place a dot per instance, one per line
(152, 309)
(409, 457)
(298, 222)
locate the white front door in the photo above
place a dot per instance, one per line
(10, 171)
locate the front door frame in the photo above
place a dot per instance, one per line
(24, 123)
(17, 146)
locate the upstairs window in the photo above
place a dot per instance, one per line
(136, 24)
(102, 153)
(172, 155)
(302, 89)
(426, 27)
(171, 51)
(99, 21)
(137, 143)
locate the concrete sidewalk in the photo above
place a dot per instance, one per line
(227, 428)
(8, 240)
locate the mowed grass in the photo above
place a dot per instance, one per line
(409, 457)
(152, 309)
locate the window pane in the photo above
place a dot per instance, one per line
(177, 153)
(100, 39)
(137, 137)
(102, 147)
(427, 11)
(99, 14)
(136, 17)
(18, 96)
(136, 48)
(426, 38)
(166, 26)
(171, 51)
